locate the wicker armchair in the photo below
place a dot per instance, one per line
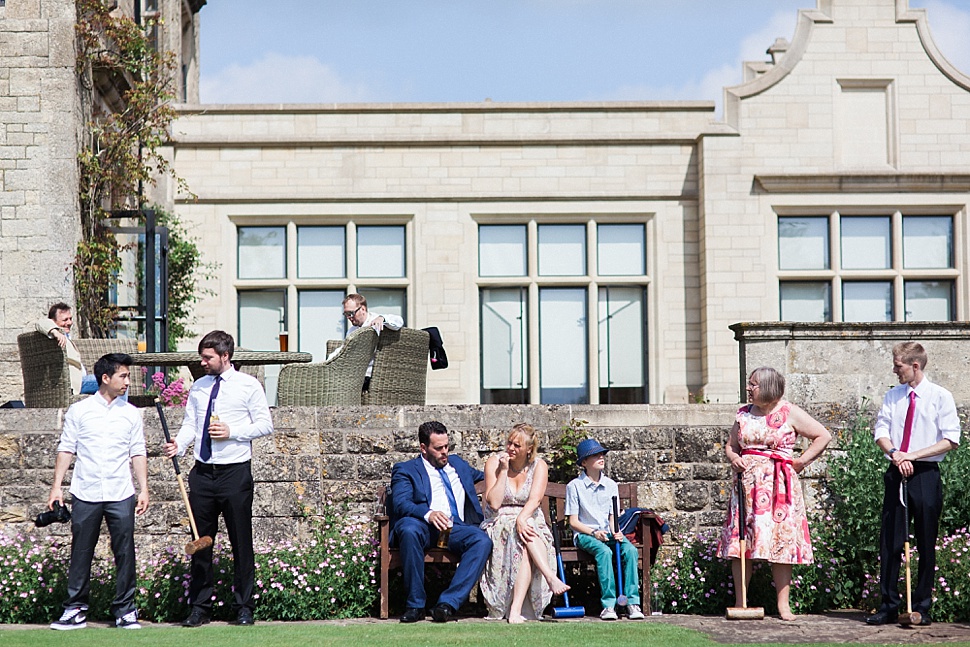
(47, 380)
(337, 381)
(400, 374)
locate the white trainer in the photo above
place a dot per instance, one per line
(634, 612)
(128, 621)
(71, 619)
(609, 613)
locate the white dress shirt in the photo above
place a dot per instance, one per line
(240, 403)
(393, 322)
(103, 437)
(935, 417)
(439, 500)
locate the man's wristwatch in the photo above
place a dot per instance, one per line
(892, 451)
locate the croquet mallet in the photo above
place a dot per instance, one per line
(910, 617)
(744, 612)
(566, 611)
(621, 596)
(197, 543)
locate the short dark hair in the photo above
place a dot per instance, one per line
(109, 364)
(220, 341)
(60, 306)
(428, 428)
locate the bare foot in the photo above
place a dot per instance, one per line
(516, 620)
(786, 614)
(557, 586)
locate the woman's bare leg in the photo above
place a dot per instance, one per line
(538, 557)
(520, 588)
(782, 576)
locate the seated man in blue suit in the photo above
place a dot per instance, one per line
(429, 494)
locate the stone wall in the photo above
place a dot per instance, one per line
(844, 362)
(320, 456)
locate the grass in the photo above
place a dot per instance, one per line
(313, 634)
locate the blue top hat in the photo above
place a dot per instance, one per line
(587, 448)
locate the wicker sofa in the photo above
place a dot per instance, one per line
(400, 374)
(43, 364)
(337, 381)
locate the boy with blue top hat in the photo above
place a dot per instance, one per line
(589, 506)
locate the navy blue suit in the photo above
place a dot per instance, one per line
(410, 502)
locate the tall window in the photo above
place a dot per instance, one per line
(540, 286)
(847, 267)
(294, 276)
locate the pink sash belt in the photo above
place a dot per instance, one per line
(783, 471)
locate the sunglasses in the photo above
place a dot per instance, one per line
(350, 315)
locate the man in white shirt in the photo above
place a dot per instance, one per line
(104, 433)
(355, 310)
(225, 412)
(916, 426)
(57, 326)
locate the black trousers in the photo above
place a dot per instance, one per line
(925, 506)
(225, 490)
(85, 529)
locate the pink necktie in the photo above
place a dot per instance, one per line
(908, 427)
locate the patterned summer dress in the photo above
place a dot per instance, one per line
(508, 551)
(776, 527)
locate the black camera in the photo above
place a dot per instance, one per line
(59, 514)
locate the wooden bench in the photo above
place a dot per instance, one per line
(553, 506)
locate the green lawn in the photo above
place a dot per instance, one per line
(558, 634)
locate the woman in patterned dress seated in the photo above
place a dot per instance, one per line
(520, 577)
(760, 452)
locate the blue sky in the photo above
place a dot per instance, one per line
(323, 51)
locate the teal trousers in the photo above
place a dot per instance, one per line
(605, 558)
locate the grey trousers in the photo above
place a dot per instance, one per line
(85, 529)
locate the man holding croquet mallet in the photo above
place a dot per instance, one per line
(106, 436)
(589, 506)
(916, 426)
(225, 412)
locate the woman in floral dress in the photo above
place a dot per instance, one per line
(760, 453)
(520, 576)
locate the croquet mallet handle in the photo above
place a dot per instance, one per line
(178, 471)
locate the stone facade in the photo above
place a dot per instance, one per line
(322, 456)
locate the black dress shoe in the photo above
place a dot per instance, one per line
(197, 618)
(443, 613)
(925, 619)
(413, 615)
(245, 618)
(884, 617)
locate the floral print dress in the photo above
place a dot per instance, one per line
(508, 552)
(776, 527)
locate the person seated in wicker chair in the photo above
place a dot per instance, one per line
(57, 326)
(355, 309)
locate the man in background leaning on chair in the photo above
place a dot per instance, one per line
(225, 413)
(430, 494)
(57, 326)
(355, 309)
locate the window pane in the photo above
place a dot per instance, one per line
(259, 328)
(620, 250)
(320, 318)
(929, 300)
(563, 346)
(622, 353)
(386, 302)
(867, 301)
(803, 243)
(806, 302)
(562, 250)
(501, 250)
(320, 252)
(927, 242)
(380, 252)
(865, 243)
(504, 346)
(262, 252)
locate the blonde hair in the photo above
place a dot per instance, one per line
(528, 432)
(910, 352)
(771, 384)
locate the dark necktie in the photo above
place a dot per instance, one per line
(451, 496)
(205, 452)
(908, 427)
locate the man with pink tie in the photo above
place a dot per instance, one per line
(916, 426)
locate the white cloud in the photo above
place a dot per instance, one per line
(710, 85)
(950, 27)
(276, 78)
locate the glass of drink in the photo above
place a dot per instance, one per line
(142, 345)
(284, 341)
(444, 535)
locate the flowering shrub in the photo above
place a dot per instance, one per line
(330, 575)
(172, 395)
